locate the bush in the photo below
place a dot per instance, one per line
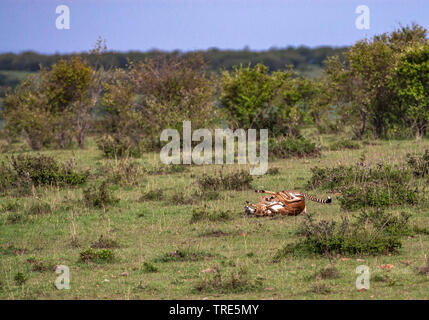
(375, 194)
(11, 205)
(235, 282)
(183, 255)
(204, 215)
(153, 195)
(362, 185)
(40, 209)
(24, 172)
(371, 233)
(122, 172)
(286, 147)
(240, 180)
(45, 170)
(20, 278)
(97, 256)
(99, 196)
(419, 164)
(117, 146)
(166, 169)
(345, 144)
(149, 268)
(103, 243)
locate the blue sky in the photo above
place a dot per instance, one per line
(197, 24)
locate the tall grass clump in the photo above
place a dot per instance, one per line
(234, 281)
(288, 147)
(240, 180)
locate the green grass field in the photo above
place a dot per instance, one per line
(147, 231)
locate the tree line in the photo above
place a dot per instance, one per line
(216, 59)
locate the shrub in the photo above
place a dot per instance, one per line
(345, 144)
(287, 147)
(97, 256)
(136, 101)
(273, 171)
(183, 255)
(235, 282)
(45, 170)
(122, 172)
(425, 269)
(99, 196)
(152, 195)
(11, 205)
(40, 208)
(181, 199)
(166, 169)
(204, 215)
(11, 182)
(240, 180)
(39, 266)
(329, 272)
(103, 243)
(375, 194)
(53, 106)
(419, 164)
(20, 278)
(371, 233)
(362, 186)
(117, 146)
(149, 268)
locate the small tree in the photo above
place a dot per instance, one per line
(157, 94)
(72, 88)
(366, 82)
(55, 105)
(279, 101)
(413, 78)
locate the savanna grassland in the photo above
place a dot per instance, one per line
(164, 238)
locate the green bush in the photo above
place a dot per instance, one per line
(20, 278)
(370, 233)
(374, 194)
(45, 170)
(204, 215)
(117, 146)
(152, 195)
(235, 281)
(40, 208)
(345, 144)
(149, 268)
(240, 180)
(287, 147)
(24, 172)
(183, 255)
(419, 164)
(97, 256)
(99, 196)
(362, 185)
(103, 243)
